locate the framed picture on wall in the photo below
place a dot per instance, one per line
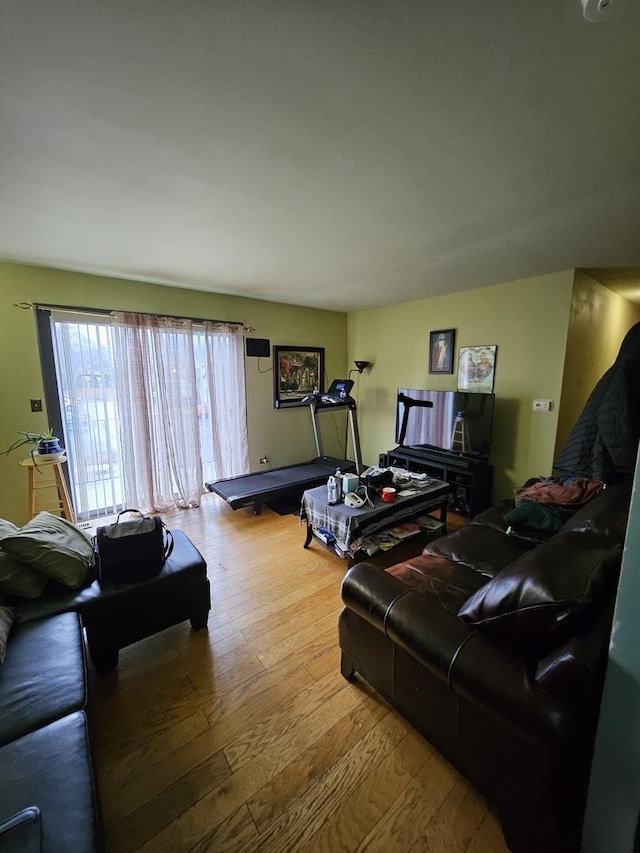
(441, 350)
(476, 368)
(296, 372)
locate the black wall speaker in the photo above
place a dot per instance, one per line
(258, 347)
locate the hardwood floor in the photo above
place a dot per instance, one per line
(246, 737)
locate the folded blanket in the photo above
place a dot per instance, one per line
(573, 495)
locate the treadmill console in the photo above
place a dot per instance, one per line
(338, 394)
(339, 389)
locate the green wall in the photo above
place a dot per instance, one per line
(534, 322)
(528, 322)
(598, 322)
(285, 436)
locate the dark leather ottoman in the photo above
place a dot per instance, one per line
(116, 616)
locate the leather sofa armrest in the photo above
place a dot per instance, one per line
(476, 667)
(502, 685)
(22, 832)
(369, 591)
(421, 627)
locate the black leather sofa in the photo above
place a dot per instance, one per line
(47, 793)
(493, 644)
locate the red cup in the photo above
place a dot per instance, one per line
(388, 494)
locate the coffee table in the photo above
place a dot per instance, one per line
(350, 526)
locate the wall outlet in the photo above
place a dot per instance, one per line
(264, 460)
(542, 405)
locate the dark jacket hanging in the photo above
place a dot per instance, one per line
(604, 441)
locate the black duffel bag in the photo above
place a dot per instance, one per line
(131, 550)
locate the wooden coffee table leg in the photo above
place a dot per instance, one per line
(307, 541)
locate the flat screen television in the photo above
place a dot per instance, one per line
(457, 422)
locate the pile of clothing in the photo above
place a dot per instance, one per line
(546, 504)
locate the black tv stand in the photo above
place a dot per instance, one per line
(469, 477)
(465, 460)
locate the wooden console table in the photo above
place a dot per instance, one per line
(351, 525)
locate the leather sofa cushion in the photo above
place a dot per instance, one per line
(607, 514)
(494, 516)
(44, 675)
(483, 549)
(51, 769)
(541, 596)
(448, 584)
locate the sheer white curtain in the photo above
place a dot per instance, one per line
(225, 431)
(182, 407)
(157, 402)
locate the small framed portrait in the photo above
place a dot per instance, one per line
(441, 351)
(477, 368)
(297, 371)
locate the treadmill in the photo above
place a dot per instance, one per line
(292, 480)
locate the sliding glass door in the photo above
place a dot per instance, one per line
(83, 360)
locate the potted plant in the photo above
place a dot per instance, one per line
(43, 443)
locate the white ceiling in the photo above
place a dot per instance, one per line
(333, 153)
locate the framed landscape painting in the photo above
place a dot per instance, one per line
(476, 368)
(441, 351)
(296, 372)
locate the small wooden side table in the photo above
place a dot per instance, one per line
(63, 503)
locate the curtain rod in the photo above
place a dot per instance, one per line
(78, 309)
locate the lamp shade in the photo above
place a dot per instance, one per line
(361, 365)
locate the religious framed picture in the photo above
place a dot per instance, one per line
(441, 351)
(297, 371)
(476, 368)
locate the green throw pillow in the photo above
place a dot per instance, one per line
(54, 547)
(6, 621)
(18, 578)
